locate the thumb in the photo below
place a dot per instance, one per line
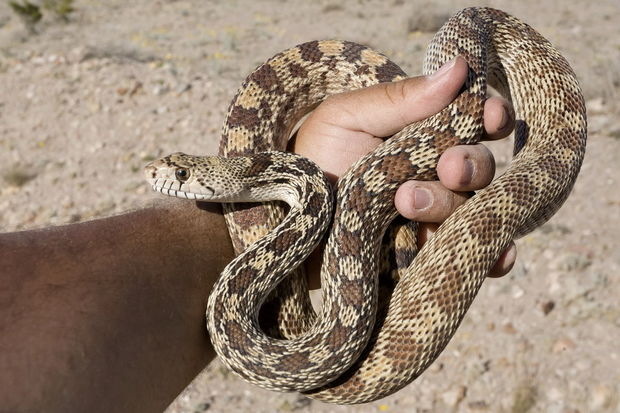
(384, 109)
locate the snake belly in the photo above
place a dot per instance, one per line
(342, 355)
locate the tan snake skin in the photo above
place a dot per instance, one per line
(351, 352)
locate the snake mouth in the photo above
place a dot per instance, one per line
(167, 190)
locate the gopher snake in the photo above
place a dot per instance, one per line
(337, 356)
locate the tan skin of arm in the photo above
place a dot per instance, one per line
(108, 315)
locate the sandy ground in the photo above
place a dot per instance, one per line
(84, 104)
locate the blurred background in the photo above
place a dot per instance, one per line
(92, 90)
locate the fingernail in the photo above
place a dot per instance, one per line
(468, 172)
(504, 120)
(422, 198)
(443, 69)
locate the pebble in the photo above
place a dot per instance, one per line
(583, 365)
(554, 394)
(509, 328)
(554, 282)
(184, 87)
(436, 367)
(547, 307)
(517, 292)
(600, 397)
(557, 407)
(562, 345)
(159, 90)
(595, 106)
(203, 407)
(141, 190)
(478, 406)
(575, 262)
(454, 396)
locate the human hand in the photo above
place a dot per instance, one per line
(347, 126)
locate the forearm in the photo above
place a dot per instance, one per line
(108, 315)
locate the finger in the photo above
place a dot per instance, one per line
(504, 264)
(427, 201)
(401, 103)
(499, 118)
(466, 167)
(424, 233)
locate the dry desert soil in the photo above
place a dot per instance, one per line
(85, 103)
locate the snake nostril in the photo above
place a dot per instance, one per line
(150, 171)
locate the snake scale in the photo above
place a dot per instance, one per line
(351, 351)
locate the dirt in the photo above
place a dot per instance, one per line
(85, 103)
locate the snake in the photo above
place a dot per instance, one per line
(388, 309)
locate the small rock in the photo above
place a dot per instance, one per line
(563, 344)
(554, 394)
(523, 345)
(574, 262)
(56, 59)
(184, 87)
(301, 402)
(509, 328)
(600, 397)
(595, 106)
(79, 54)
(141, 190)
(93, 106)
(547, 307)
(285, 406)
(582, 365)
(436, 367)
(615, 133)
(73, 218)
(554, 282)
(478, 405)
(135, 89)
(38, 60)
(203, 407)
(524, 397)
(159, 90)
(328, 8)
(30, 93)
(517, 292)
(454, 396)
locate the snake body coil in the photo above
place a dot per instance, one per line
(343, 355)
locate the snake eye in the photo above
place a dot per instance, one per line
(181, 174)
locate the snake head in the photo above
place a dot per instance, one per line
(204, 178)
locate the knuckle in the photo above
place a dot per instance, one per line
(334, 110)
(330, 105)
(449, 204)
(398, 95)
(395, 92)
